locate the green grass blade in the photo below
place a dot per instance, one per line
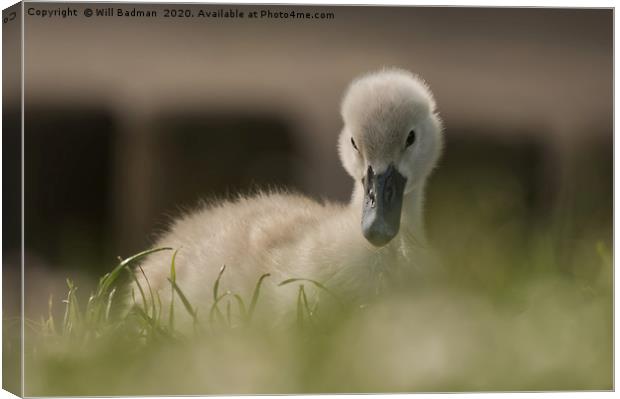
(241, 305)
(160, 307)
(316, 283)
(107, 280)
(152, 324)
(72, 314)
(215, 311)
(300, 315)
(109, 304)
(255, 295)
(50, 317)
(184, 300)
(148, 284)
(135, 279)
(173, 278)
(305, 303)
(216, 285)
(216, 288)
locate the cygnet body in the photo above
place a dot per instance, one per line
(390, 143)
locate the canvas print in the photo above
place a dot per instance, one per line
(217, 199)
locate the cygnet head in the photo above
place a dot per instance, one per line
(391, 141)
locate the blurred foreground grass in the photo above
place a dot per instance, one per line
(525, 304)
(544, 331)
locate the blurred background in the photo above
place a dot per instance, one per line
(128, 121)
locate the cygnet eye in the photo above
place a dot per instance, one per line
(410, 138)
(354, 146)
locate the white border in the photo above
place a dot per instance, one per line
(479, 3)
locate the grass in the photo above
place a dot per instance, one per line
(543, 331)
(522, 306)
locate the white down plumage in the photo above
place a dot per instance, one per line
(390, 142)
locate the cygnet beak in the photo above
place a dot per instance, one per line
(383, 201)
